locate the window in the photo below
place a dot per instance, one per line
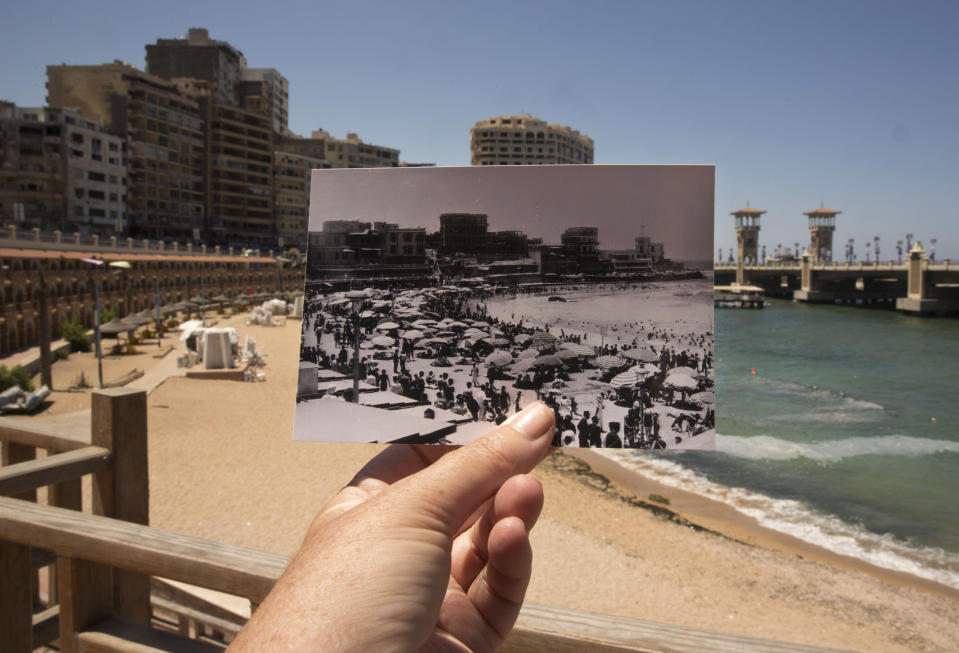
(115, 161)
(96, 194)
(113, 179)
(76, 138)
(78, 211)
(114, 147)
(113, 197)
(97, 213)
(78, 193)
(76, 153)
(96, 143)
(96, 176)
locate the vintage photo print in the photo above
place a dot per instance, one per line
(441, 301)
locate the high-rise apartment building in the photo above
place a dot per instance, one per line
(291, 195)
(525, 140)
(463, 233)
(350, 152)
(275, 88)
(164, 133)
(199, 57)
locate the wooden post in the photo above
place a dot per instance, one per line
(16, 598)
(119, 423)
(86, 598)
(46, 360)
(67, 495)
(12, 453)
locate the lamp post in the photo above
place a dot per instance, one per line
(356, 297)
(875, 240)
(852, 249)
(908, 242)
(899, 250)
(796, 245)
(932, 249)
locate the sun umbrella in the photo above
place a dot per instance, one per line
(424, 323)
(707, 397)
(529, 353)
(387, 326)
(474, 333)
(458, 325)
(641, 354)
(522, 365)
(627, 379)
(496, 342)
(383, 341)
(499, 359)
(566, 354)
(547, 361)
(482, 325)
(609, 362)
(681, 382)
(116, 326)
(580, 350)
(543, 337)
(413, 334)
(522, 338)
(688, 371)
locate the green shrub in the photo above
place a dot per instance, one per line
(74, 333)
(62, 354)
(106, 315)
(16, 376)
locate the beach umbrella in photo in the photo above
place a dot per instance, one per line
(387, 326)
(579, 350)
(628, 378)
(496, 342)
(383, 341)
(548, 360)
(707, 397)
(608, 362)
(641, 354)
(681, 382)
(566, 354)
(424, 323)
(481, 325)
(367, 344)
(457, 325)
(522, 365)
(413, 334)
(688, 371)
(474, 333)
(541, 337)
(499, 359)
(529, 353)
(522, 338)
(367, 314)
(493, 331)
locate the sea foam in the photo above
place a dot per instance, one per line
(799, 520)
(766, 447)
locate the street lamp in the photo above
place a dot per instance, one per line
(796, 245)
(875, 239)
(356, 297)
(866, 247)
(852, 249)
(932, 249)
(908, 242)
(899, 250)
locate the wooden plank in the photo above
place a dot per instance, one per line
(86, 597)
(119, 423)
(122, 636)
(26, 476)
(41, 436)
(222, 567)
(46, 626)
(548, 628)
(16, 597)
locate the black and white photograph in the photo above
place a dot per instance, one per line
(441, 301)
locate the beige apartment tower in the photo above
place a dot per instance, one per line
(526, 140)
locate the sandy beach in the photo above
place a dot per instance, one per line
(223, 466)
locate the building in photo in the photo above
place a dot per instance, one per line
(197, 56)
(525, 140)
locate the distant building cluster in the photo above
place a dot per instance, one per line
(525, 140)
(464, 247)
(198, 148)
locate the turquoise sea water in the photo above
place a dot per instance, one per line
(833, 438)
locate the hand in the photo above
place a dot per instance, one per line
(426, 548)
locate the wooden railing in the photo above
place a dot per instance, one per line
(100, 590)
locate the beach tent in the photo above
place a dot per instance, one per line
(548, 360)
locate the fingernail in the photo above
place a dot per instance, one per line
(534, 421)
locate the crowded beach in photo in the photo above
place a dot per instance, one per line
(439, 302)
(466, 355)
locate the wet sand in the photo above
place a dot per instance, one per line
(223, 466)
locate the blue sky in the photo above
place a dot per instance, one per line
(854, 104)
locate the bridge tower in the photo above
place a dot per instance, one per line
(747, 234)
(822, 224)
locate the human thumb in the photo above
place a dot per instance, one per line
(453, 487)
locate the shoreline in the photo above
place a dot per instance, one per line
(725, 520)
